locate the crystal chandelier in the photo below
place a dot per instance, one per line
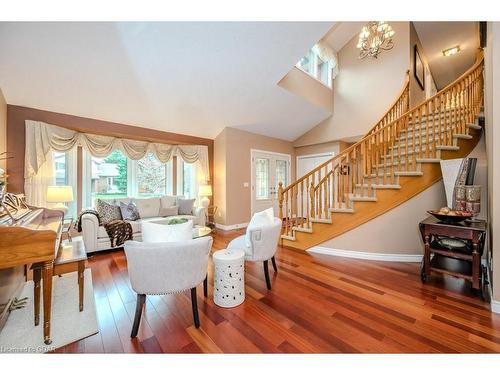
(374, 38)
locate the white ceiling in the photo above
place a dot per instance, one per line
(190, 78)
(437, 36)
(343, 32)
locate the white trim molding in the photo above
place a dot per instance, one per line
(495, 306)
(231, 227)
(412, 258)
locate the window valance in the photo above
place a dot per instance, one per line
(41, 138)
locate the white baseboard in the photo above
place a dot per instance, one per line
(231, 227)
(495, 306)
(413, 258)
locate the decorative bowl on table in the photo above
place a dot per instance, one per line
(450, 216)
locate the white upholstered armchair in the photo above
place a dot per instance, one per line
(263, 244)
(165, 268)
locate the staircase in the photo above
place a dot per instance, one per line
(397, 159)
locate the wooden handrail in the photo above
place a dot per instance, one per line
(382, 153)
(401, 96)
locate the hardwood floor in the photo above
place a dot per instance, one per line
(318, 304)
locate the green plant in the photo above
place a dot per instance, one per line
(177, 221)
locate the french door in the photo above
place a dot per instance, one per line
(268, 170)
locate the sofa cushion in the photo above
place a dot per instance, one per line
(159, 232)
(107, 211)
(185, 206)
(169, 211)
(168, 201)
(149, 207)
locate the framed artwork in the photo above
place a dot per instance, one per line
(418, 68)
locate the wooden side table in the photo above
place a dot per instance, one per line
(461, 264)
(71, 257)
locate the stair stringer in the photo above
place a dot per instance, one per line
(387, 199)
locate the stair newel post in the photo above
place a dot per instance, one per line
(301, 202)
(286, 212)
(280, 200)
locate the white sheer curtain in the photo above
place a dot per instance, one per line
(35, 187)
(326, 53)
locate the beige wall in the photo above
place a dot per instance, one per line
(318, 148)
(395, 232)
(232, 152)
(3, 127)
(492, 112)
(417, 94)
(303, 85)
(363, 90)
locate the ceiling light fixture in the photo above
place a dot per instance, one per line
(451, 51)
(374, 38)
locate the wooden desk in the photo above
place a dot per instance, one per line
(70, 258)
(465, 265)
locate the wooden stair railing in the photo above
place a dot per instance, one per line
(380, 157)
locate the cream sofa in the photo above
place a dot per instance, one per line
(95, 237)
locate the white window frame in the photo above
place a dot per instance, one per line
(132, 183)
(313, 62)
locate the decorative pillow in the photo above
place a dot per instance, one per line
(107, 211)
(153, 232)
(259, 220)
(168, 201)
(149, 207)
(169, 211)
(129, 211)
(185, 206)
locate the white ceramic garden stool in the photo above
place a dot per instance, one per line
(229, 277)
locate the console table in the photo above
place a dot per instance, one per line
(461, 264)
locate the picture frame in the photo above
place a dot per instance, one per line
(418, 68)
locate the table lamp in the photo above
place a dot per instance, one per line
(205, 191)
(60, 195)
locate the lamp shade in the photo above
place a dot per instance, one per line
(205, 191)
(59, 194)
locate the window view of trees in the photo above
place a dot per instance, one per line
(109, 176)
(151, 177)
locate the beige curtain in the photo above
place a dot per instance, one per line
(35, 187)
(41, 138)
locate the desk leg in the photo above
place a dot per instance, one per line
(475, 266)
(81, 270)
(47, 273)
(37, 277)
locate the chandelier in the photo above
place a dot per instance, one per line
(374, 38)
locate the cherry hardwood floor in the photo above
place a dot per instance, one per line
(318, 304)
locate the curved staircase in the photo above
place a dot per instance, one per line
(397, 159)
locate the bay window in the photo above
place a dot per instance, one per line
(117, 176)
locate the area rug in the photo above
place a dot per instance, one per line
(68, 324)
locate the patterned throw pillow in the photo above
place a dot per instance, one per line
(129, 211)
(107, 212)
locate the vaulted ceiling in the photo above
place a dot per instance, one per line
(438, 36)
(190, 78)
